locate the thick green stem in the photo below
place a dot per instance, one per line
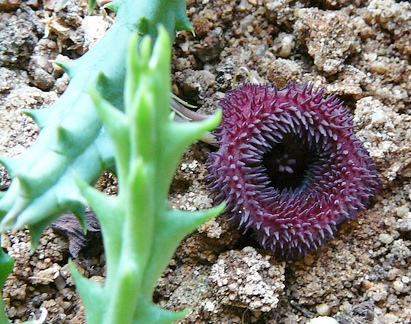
(140, 231)
(72, 138)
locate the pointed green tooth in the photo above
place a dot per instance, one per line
(184, 24)
(72, 201)
(103, 83)
(40, 116)
(117, 130)
(68, 140)
(113, 6)
(68, 67)
(65, 142)
(166, 316)
(81, 217)
(91, 5)
(36, 231)
(26, 185)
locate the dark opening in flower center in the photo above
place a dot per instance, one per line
(287, 162)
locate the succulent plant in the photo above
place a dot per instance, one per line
(82, 135)
(72, 139)
(140, 231)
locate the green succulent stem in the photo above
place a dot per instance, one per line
(72, 138)
(140, 230)
(87, 132)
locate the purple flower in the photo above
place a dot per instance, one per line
(289, 165)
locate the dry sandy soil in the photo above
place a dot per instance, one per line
(359, 50)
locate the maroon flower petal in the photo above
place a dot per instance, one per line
(289, 165)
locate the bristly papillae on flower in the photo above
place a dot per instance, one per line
(289, 165)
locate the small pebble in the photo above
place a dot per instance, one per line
(322, 320)
(390, 318)
(287, 45)
(379, 117)
(323, 309)
(385, 238)
(402, 211)
(398, 287)
(393, 273)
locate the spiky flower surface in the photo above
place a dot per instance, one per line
(289, 165)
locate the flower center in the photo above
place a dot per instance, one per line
(287, 162)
